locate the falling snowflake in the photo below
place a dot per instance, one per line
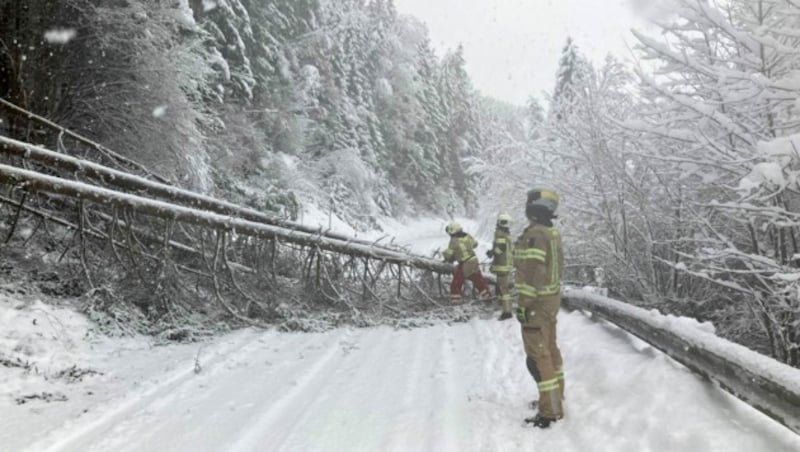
(159, 111)
(60, 35)
(208, 5)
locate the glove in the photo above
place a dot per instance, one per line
(490, 254)
(522, 314)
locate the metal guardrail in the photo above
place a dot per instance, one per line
(762, 382)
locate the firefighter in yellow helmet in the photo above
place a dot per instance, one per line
(462, 251)
(502, 262)
(539, 260)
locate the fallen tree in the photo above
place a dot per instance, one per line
(50, 184)
(157, 190)
(173, 262)
(101, 150)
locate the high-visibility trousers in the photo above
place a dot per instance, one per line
(457, 286)
(504, 291)
(543, 356)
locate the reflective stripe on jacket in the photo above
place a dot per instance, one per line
(461, 249)
(503, 252)
(539, 261)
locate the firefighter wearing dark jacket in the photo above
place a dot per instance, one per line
(462, 251)
(539, 260)
(502, 262)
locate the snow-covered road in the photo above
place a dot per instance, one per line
(450, 387)
(460, 387)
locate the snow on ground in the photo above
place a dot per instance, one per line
(701, 335)
(459, 387)
(54, 368)
(311, 215)
(427, 237)
(424, 236)
(420, 236)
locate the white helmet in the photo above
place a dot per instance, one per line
(453, 228)
(504, 220)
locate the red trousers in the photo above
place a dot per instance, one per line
(458, 283)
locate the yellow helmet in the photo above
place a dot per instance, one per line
(541, 198)
(504, 220)
(453, 228)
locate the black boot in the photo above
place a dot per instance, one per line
(540, 421)
(505, 316)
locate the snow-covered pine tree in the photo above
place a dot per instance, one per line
(573, 69)
(131, 87)
(429, 129)
(461, 140)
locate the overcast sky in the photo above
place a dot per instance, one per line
(512, 46)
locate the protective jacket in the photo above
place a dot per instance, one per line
(502, 252)
(539, 260)
(462, 250)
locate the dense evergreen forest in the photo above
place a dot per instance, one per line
(340, 102)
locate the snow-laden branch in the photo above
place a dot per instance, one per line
(707, 111)
(55, 185)
(80, 138)
(129, 182)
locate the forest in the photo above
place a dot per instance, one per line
(678, 168)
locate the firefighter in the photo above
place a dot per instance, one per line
(462, 251)
(501, 255)
(539, 260)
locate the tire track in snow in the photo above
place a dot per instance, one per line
(253, 438)
(511, 389)
(84, 429)
(491, 386)
(481, 391)
(444, 430)
(349, 413)
(414, 369)
(170, 422)
(410, 416)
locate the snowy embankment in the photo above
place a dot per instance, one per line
(458, 387)
(765, 383)
(423, 237)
